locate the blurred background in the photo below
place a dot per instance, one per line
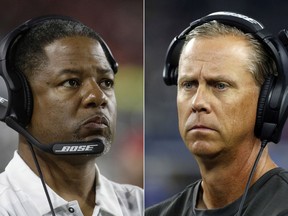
(120, 23)
(169, 167)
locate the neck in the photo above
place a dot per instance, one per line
(71, 177)
(224, 181)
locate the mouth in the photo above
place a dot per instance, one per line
(96, 122)
(97, 126)
(200, 128)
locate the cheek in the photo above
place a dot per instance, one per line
(113, 111)
(52, 110)
(241, 118)
(50, 118)
(183, 114)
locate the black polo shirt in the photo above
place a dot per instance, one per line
(267, 197)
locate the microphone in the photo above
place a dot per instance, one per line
(95, 146)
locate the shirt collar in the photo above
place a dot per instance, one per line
(22, 178)
(105, 195)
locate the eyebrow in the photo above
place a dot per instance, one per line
(69, 71)
(80, 71)
(211, 78)
(220, 78)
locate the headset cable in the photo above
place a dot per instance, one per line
(241, 206)
(42, 178)
(12, 122)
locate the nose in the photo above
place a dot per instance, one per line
(200, 100)
(93, 95)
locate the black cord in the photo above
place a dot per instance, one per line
(42, 178)
(13, 123)
(263, 145)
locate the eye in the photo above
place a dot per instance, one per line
(189, 84)
(107, 83)
(71, 83)
(221, 86)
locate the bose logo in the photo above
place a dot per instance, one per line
(238, 15)
(2, 100)
(80, 148)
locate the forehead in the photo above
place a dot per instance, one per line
(74, 46)
(79, 54)
(76, 51)
(220, 53)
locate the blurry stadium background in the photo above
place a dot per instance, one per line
(120, 23)
(169, 167)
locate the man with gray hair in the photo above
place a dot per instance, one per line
(224, 64)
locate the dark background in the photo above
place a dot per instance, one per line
(169, 167)
(120, 23)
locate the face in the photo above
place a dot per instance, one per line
(216, 96)
(73, 95)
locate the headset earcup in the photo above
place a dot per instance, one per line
(4, 99)
(24, 112)
(262, 103)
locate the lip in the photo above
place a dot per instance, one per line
(96, 122)
(200, 128)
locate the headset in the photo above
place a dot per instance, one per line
(15, 96)
(272, 109)
(16, 100)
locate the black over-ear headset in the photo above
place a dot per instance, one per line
(15, 96)
(272, 107)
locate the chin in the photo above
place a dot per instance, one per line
(203, 149)
(106, 142)
(107, 146)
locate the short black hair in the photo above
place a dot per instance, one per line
(29, 56)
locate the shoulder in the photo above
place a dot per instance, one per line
(4, 185)
(122, 188)
(268, 196)
(9, 192)
(283, 174)
(129, 197)
(172, 206)
(124, 192)
(277, 177)
(3, 212)
(8, 196)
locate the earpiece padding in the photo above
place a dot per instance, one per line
(262, 103)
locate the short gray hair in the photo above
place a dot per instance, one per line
(261, 63)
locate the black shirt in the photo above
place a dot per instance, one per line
(267, 197)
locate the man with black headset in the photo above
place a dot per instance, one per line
(57, 90)
(222, 64)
